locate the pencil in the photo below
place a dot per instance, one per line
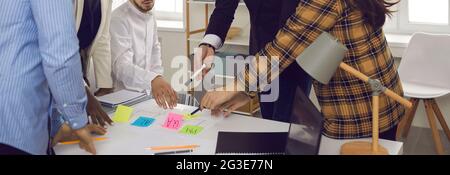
(175, 152)
(78, 141)
(195, 75)
(160, 148)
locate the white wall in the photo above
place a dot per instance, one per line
(172, 44)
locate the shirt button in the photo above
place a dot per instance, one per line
(65, 105)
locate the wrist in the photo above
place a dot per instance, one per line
(156, 79)
(208, 45)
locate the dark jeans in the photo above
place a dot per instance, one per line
(9, 150)
(291, 78)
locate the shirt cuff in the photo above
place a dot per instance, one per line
(213, 40)
(74, 115)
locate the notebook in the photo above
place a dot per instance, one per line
(303, 138)
(122, 97)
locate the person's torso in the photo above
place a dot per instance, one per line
(24, 90)
(266, 18)
(105, 7)
(346, 101)
(90, 23)
(91, 19)
(141, 33)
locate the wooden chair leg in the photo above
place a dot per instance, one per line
(434, 129)
(406, 123)
(441, 118)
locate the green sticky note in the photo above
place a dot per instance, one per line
(191, 130)
(190, 117)
(123, 114)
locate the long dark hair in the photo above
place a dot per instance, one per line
(375, 11)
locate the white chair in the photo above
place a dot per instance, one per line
(425, 75)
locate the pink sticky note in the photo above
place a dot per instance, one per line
(173, 121)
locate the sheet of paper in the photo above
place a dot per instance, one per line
(123, 114)
(143, 121)
(173, 121)
(191, 130)
(120, 97)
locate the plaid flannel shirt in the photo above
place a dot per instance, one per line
(346, 101)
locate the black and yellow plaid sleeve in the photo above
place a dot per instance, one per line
(311, 18)
(346, 101)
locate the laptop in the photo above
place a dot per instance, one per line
(305, 132)
(303, 138)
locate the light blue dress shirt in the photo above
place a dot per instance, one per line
(39, 66)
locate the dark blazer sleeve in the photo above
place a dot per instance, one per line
(222, 17)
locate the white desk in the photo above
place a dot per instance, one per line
(125, 139)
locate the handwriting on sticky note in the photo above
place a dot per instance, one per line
(173, 121)
(123, 114)
(191, 130)
(190, 117)
(143, 122)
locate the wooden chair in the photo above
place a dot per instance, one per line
(425, 75)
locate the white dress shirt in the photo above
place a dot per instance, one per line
(135, 49)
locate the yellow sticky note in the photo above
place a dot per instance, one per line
(123, 114)
(190, 117)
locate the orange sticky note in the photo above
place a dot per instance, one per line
(173, 121)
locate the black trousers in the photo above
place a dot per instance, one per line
(390, 134)
(9, 150)
(292, 77)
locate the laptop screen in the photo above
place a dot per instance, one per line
(305, 132)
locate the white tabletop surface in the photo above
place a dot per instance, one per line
(125, 139)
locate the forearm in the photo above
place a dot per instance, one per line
(132, 75)
(222, 17)
(60, 59)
